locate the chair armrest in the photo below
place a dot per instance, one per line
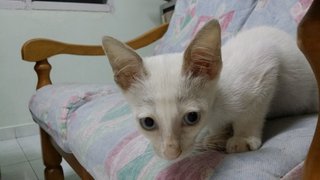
(39, 49)
(309, 43)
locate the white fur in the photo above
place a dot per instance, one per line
(165, 97)
(263, 73)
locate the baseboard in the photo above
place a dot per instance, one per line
(12, 132)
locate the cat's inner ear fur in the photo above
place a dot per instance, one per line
(202, 58)
(126, 64)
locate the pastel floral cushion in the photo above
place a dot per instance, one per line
(95, 123)
(233, 15)
(52, 106)
(123, 153)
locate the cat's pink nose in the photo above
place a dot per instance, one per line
(172, 151)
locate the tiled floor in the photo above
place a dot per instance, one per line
(20, 159)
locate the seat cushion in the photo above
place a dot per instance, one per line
(286, 142)
(95, 123)
(52, 106)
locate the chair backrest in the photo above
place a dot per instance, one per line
(190, 16)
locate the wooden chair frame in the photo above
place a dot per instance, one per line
(39, 50)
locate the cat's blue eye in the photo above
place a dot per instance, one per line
(148, 123)
(191, 118)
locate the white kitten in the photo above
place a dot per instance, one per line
(176, 96)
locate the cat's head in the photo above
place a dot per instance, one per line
(170, 94)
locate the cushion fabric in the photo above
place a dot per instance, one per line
(190, 16)
(95, 123)
(52, 106)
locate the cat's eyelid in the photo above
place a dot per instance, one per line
(144, 115)
(193, 109)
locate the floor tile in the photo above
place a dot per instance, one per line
(11, 153)
(69, 173)
(38, 167)
(21, 171)
(31, 146)
(72, 177)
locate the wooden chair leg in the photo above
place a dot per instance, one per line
(85, 175)
(51, 158)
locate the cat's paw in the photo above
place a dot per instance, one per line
(242, 144)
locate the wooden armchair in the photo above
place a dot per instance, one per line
(39, 50)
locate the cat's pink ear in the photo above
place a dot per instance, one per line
(203, 55)
(126, 64)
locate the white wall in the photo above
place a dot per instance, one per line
(17, 78)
